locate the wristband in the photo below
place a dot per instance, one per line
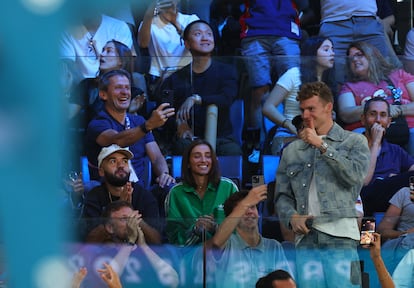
(143, 128)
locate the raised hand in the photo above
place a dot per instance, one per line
(109, 276)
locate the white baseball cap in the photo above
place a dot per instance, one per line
(106, 151)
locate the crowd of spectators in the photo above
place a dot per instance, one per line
(343, 80)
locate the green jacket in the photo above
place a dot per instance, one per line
(184, 206)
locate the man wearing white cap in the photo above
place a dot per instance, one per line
(114, 168)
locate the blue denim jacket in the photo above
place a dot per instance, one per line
(339, 175)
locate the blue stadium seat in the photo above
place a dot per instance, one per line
(176, 167)
(232, 167)
(85, 169)
(268, 221)
(270, 164)
(147, 175)
(378, 217)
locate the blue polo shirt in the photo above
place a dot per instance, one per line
(392, 159)
(105, 121)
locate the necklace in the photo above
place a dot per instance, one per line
(201, 188)
(92, 52)
(110, 196)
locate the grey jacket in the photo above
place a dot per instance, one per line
(339, 175)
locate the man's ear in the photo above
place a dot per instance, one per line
(103, 95)
(187, 45)
(109, 228)
(101, 172)
(363, 119)
(328, 107)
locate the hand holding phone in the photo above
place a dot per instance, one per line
(367, 232)
(257, 180)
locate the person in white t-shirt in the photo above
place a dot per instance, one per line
(161, 32)
(83, 43)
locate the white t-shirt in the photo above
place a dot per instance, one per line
(74, 44)
(166, 47)
(335, 10)
(290, 81)
(402, 200)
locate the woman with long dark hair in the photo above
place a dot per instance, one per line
(196, 204)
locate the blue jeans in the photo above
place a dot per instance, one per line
(323, 260)
(265, 55)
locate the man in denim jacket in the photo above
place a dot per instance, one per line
(318, 182)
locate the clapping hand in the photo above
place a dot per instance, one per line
(132, 226)
(126, 193)
(206, 222)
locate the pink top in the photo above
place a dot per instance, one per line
(363, 91)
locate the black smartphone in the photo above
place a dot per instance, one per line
(168, 97)
(367, 230)
(257, 180)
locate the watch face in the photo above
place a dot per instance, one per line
(324, 146)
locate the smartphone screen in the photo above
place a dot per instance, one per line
(257, 180)
(367, 230)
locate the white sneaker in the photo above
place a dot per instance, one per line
(255, 156)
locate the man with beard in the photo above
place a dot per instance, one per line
(113, 163)
(244, 256)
